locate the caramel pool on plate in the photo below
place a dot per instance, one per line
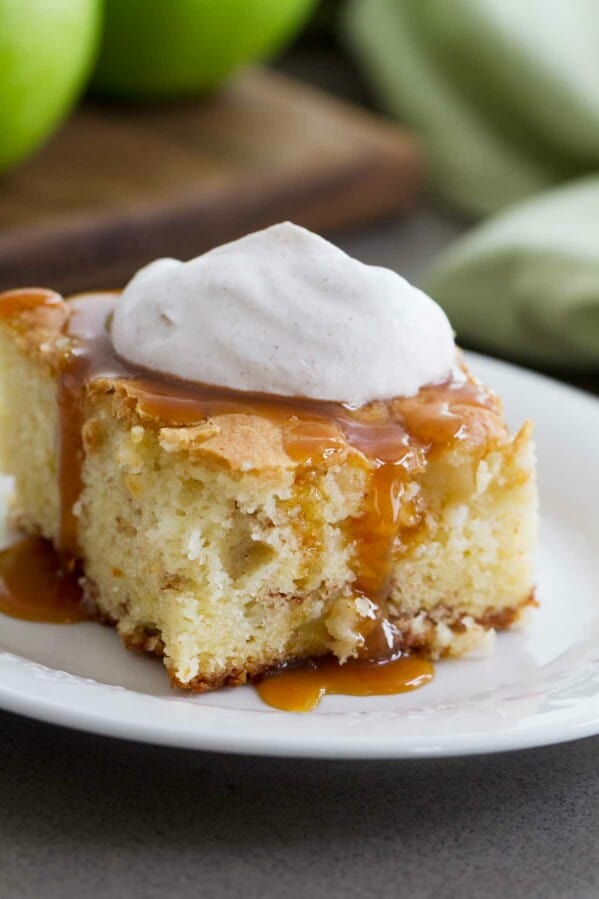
(34, 586)
(301, 689)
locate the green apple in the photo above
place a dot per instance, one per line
(47, 49)
(169, 48)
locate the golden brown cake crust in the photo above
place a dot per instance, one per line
(242, 442)
(503, 619)
(253, 442)
(411, 640)
(39, 333)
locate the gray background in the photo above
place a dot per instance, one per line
(86, 816)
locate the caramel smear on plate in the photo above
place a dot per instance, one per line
(301, 689)
(35, 587)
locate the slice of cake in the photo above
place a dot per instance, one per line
(265, 512)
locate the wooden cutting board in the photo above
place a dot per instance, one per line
(122, 184)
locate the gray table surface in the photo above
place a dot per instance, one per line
(86, 816)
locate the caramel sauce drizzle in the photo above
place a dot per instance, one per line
(301, 689)
(34, 585)
(396, 437)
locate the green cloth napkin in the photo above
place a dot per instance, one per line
(503, 93)
(526, 282)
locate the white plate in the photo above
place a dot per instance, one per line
(541, 686)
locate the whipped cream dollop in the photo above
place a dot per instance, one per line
(283, 311)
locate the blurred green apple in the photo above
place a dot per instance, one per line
(46, 52)
(169, 48)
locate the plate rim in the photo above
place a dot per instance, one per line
(463, 744)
